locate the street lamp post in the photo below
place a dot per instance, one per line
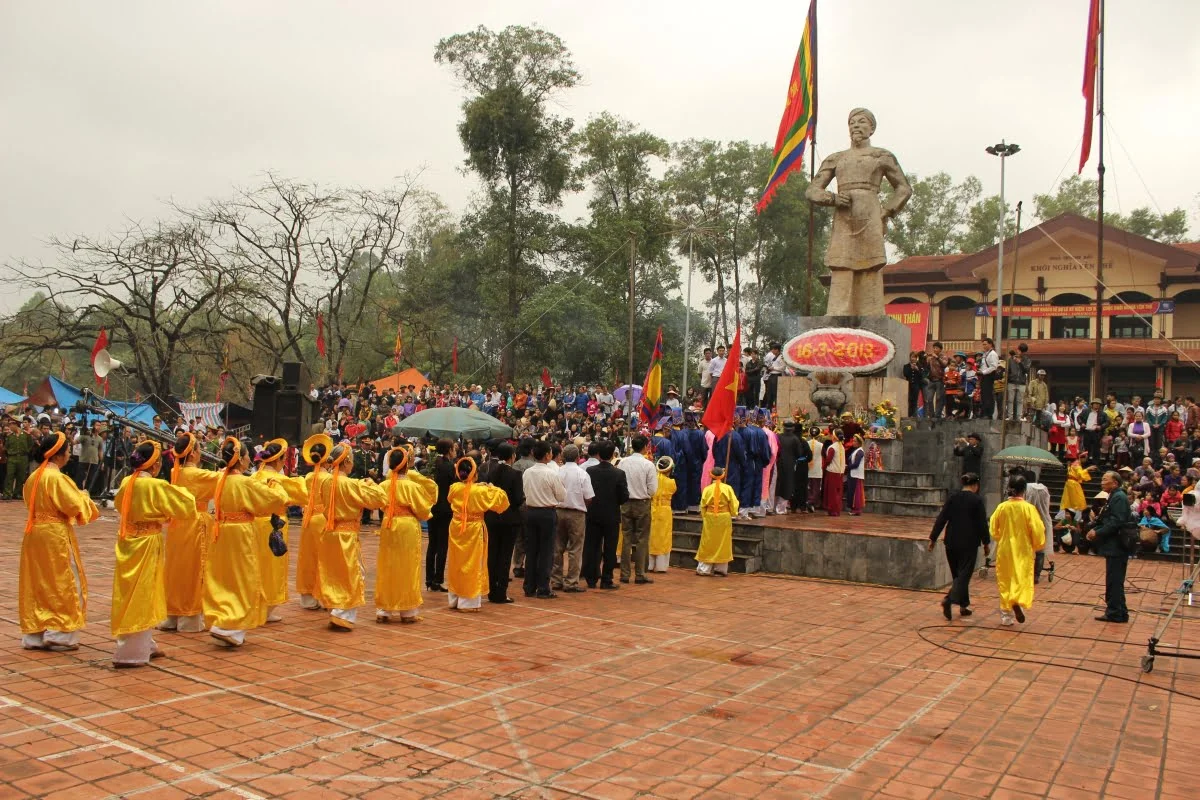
(1003, 151)
(687, 316)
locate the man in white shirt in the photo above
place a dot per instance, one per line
(571, 522)
(988, 366)
(706, 378)
(1094, 423)
(773, 367)
(715, 367)
(544, 493)
(642, 477)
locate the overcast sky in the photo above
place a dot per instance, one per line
(109, 108)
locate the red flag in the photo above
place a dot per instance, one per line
(63, 364)
(546, 377)
(25, 389)
(321, 334)
(1091, 63)
(106, 387)
(221, 384)
(341, 374)
(101, 343)
(718, 418)
(454, 357)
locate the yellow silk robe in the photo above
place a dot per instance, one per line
(466, 558)
(52, 587)
(718, 504)
(339, 555)
(428, 485)
(274, 568)
(398, 574)
(661, 519)
(187, 546)
(1017, 533)
(1072, 496)
(233, 591)
(317, 486)
(139, 598)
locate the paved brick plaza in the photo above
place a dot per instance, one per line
(752, 686)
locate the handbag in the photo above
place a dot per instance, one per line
(278, 546)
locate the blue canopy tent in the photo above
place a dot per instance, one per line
(53, 392)
(8, 398)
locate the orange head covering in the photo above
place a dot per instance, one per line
(337, 457)
(392, 478)
(147, 465)
(232, 464)
(53, 450)
(188, 442)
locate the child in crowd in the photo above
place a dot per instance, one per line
(1072, 446)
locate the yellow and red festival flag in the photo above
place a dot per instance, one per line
(320, 334)
(398, 351)
(799, 123)
(718, 417)
(1091, 62)
(652, 386)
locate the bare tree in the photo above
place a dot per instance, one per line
(156, 290)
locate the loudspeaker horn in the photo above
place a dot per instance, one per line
(105, 363)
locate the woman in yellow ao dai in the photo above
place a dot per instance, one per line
(52, 593)
(718, 506)
(274, 568)
(466, 558)
(398, 573)
(139, 597)
(316, 454)
(234, 601)
(662, 519)
(187, 541)
(339, 556)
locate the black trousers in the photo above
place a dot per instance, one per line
(799, 496)
(771, 393)
(599, 553)
(1091, 443)
(541, 524)
(962, 564)
(435, 552)
(987, 395)
(501, 538)
(1114, 586)
(914, 391)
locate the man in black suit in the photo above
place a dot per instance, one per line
(603, 518)
(964, 518)
(1106, 536)
(439, 523)
(503, 529)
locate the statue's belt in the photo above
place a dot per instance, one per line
(848, 187)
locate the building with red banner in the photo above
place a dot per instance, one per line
(1150, 306)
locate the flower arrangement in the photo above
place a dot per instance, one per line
(883, 426)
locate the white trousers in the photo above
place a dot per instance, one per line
(464, 602)
(272, 616)
(135, 649)
(705, 568)
(346, 614)
(49, 640)
(411, 613)
(659, 563)
(309, 602)
(192, 624)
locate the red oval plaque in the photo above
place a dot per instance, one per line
(842, 349)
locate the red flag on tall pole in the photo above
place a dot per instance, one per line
(1091, 62)
(454, 357)
(101, 343)
(321, 334)
(718, 418)
(546, 377)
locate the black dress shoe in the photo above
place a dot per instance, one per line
(965, 612)
(643, 580)
(1105, 618)
(946, 609)
(609, 586)
(531, 594)
(501, 600)
(546, 595)
(1018, 613)
(624, 580)
(436, 587)
(591, 584)
(575, 589)
(519, 572)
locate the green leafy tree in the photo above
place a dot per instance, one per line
(1078, 195)
(521, 154)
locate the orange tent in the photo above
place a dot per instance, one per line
(409, 377)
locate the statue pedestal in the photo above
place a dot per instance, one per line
(865, 391)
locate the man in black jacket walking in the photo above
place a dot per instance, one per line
(503, 529)
(439, 523)
(603, 523)
(1106, 534)
(964, 519)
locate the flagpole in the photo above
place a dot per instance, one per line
(812, 166)
(1097, 378)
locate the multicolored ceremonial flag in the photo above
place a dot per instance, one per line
(718, 417)
(546, 381)
(652, 385)
(398, 351)
(321, 334)
(799, 123)
(1091, 63)
(101, 343)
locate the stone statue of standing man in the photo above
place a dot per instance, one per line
(856, 253)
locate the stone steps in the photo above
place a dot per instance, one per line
(903, 508)
(907, 479)
(686, 558)
(742, 545)
(889, 493)
(747, 545)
